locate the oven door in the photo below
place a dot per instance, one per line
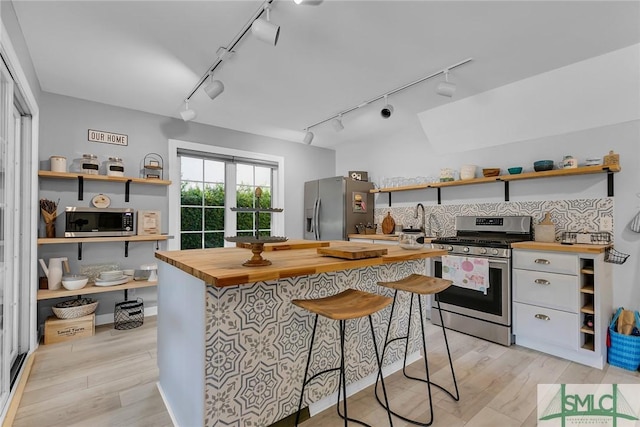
(493, 307)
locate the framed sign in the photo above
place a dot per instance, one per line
(107, 137)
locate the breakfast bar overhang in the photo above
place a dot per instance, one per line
(231, 346)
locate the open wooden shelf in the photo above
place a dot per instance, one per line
(63, 240)
(587, 289)
(93, 289)
(123, 179)
(587, 308)
(588, 345)
(587, 330)
(584, 170)
(587, 271)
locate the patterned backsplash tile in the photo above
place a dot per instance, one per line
(567, 215)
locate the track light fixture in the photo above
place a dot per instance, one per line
(188, 114)
(264, 30)
(445, 88)
(214, 88)
(308, 137)
(387, 110)
(337, 123)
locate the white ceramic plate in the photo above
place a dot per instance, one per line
(112, 282)
(101, 201)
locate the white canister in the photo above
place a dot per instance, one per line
(468, 172)
(115, 167)
(58, 163)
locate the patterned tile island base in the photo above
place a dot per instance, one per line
(256, 341)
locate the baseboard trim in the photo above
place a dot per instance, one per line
(15, 399)
(353, 388)
(166, 404)
(107, 318)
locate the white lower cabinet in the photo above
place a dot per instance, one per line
(554, 294)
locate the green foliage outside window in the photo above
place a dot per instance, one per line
(195, 201)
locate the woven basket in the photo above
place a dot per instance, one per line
(73, 312)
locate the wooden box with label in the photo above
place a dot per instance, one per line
(60, 330)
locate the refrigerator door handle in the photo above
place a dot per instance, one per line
(316, 218)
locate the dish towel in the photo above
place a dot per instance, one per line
(465, 272)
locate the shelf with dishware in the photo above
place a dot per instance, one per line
(126, 239)
(506, 179)
(81, 177)
(92, 288)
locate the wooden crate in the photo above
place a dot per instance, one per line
(59, 330)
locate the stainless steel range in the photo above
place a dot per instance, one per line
(484, 313)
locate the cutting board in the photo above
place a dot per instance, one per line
(351, 252)
(546, 230)
(388, 224)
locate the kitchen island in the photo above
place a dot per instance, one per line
(231, 346)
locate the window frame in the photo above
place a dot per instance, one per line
(277, 191)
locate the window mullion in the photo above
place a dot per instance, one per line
(230, 200)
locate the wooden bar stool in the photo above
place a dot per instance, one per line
(347, 305)
(418, 285)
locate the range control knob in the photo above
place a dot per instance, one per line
(449, 248)
(465, 249)
(440, 246)
(494, 251)
(483, 250)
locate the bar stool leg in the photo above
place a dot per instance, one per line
(306, 370)
(379, 360)
(446, 343)
(343, 376)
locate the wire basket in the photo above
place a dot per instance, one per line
(128, 314)
(615, 257)
(594, 238)
(72, 309)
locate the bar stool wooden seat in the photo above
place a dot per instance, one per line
(346, 305)
(418, 285)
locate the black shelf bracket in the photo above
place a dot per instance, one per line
(126, 294)
(389, 193)
(439, 196)
(126, 248)
(79, 250)
(609, 183)
(127, 188)
(506, 191)
(157, 245)
(80, 187)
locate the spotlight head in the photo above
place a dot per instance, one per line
(187, 114)
(446, 89)
(386, 111)
(308, 137)
(337, 124)
(214, 88)
(265, 30)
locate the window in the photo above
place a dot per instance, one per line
(214, 179)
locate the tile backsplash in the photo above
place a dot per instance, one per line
(567, 215)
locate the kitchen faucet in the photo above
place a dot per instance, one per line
(420, 205)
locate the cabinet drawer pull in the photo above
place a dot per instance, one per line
(542, 261)
(542, 317)
(542, 282)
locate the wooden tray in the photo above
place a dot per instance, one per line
(351, 252)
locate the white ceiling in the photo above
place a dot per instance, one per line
(148, 55)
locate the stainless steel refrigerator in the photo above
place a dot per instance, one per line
(333, 207)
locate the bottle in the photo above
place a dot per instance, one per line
(90, 164)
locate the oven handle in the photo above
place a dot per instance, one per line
(491, 260)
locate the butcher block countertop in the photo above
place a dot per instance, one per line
(558, 247)
(289, 244)
(391, 237)
(222, 267)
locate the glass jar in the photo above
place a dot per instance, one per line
(115, 167)
(90, 164)
(411, 238)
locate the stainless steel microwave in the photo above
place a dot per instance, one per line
(94, 222)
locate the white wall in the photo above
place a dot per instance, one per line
(410, 154)
(63, 130)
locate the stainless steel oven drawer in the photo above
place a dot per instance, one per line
(544, 324)
(545, 261)
(559, 291)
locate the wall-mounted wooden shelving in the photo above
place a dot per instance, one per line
(93, 289)
(81, 240)
(80, 177)
(506, 179)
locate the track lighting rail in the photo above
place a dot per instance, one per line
(391, 92)
(230, 47)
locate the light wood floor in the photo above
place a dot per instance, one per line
(110, 380)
